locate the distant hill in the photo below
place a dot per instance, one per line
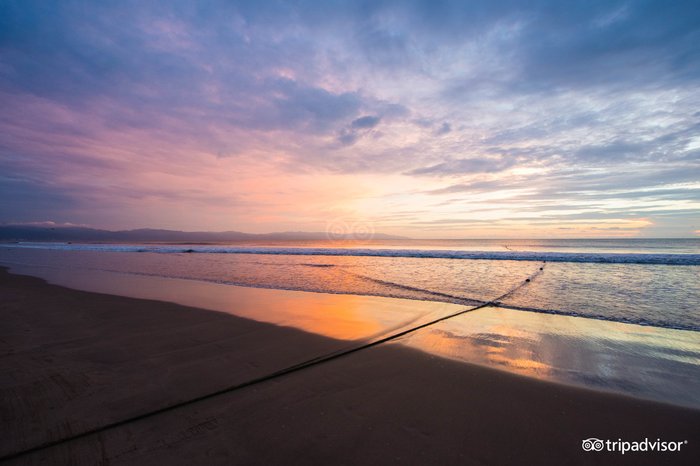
(44, 233)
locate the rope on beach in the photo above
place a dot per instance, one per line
(274, 375)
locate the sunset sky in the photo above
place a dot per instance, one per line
(420, 118)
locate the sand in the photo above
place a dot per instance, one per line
(73, 361)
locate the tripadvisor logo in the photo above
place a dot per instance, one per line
(621, 446)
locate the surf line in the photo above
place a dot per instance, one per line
(274, 375)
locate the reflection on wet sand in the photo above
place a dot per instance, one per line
(643, 361)
(648, 362)
(339, 316)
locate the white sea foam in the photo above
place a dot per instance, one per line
(578, 257)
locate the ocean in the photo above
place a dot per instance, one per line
(653, 282)
(620, 315)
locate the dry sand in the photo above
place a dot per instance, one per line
(73, 361)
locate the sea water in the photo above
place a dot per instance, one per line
(620, 315)
(648, 282)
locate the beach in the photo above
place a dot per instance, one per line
(75, 362)
(349, 233)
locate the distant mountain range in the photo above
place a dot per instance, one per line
(46, 233)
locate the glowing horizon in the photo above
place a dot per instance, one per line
(420, 119)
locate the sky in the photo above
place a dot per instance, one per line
(429, 119)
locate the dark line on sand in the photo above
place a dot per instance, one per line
(274, 375)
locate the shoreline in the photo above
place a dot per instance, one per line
(72, 361)
(639, 361)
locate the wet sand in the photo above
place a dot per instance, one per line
(73, 361)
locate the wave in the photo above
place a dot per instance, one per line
(580, 257)
(586, 315)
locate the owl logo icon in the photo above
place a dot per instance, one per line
(592, 444)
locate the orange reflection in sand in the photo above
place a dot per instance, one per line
(338, 316)
(497, 346)
(587, 352)
(345, 317)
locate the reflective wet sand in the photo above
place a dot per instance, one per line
(644, 361)
(339, 316)
(641, 361)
